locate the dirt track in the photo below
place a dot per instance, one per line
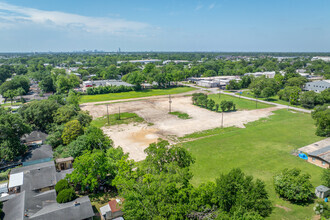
(134, 138)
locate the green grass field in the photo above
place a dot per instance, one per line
(261, 149)
(180, 115)
(134, 94)
(274, 99)
(241, 104)
(125, 118)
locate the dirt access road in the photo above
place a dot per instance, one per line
(134, 138)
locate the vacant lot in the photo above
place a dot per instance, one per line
(133, 94)
(261, 149)
(134, 138)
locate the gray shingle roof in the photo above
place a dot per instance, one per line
(34, 136)
(80, 208)
(323, 153)
(38, 152)
(14, 208)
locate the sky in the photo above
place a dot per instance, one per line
(169, 25)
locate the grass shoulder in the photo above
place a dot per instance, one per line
(134, 94)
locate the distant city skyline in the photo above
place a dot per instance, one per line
(186, 25)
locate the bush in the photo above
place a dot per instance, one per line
(66, 195)
(61, 185)
(293, 185)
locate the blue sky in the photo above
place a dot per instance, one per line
(181, 25)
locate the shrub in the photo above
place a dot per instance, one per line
(66, 195)
(293, 185)
(61, 185)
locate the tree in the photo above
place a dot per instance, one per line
(72, 130)
(308, 99)
(216, 107)
(290, 93)
(61, 185)
(11, 94)
(267, 92)
(73, 99)
(90, 170)
(321, 115)
(223, 105)
(15, 83)
(66, 195)
(47, 84)
(12, 128)
(326, 177)
(236, 191)
(293, 185)
(233, 85)
(296, 81)
(93, 138)
(210, 104)
(135, 78)
(39, 114)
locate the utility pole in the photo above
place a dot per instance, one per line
(169, 102)
(256, 102)
(108, 114)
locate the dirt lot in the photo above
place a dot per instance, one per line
(134, 138)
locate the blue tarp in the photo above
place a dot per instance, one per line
(303, 156)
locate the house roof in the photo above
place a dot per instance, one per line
(34, 136)
(323, 153)
(115, 205)
(3, 187)
(32, 167)
(81, 208)
(322, 188)
(315, 146)
(38, 153)
(105, 209)
(61, 175)
(60, 160)
(14, 208)
(15, 179)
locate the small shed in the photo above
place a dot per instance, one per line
(322, 191)
(64, 163)
(112, 210)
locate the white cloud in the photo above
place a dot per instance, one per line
(13, 16)
(211, 6)
(198, 7)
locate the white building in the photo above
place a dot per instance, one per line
(317, 86)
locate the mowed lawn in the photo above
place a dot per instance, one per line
(134, 94)
(241, 103)
(274, 99)
(261, 149)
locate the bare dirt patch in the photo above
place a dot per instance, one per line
(283, 207)
(134, 138)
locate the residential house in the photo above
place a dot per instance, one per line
(318, 153)
(112, 210)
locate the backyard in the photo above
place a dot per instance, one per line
(134, 94)
(261, 149)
